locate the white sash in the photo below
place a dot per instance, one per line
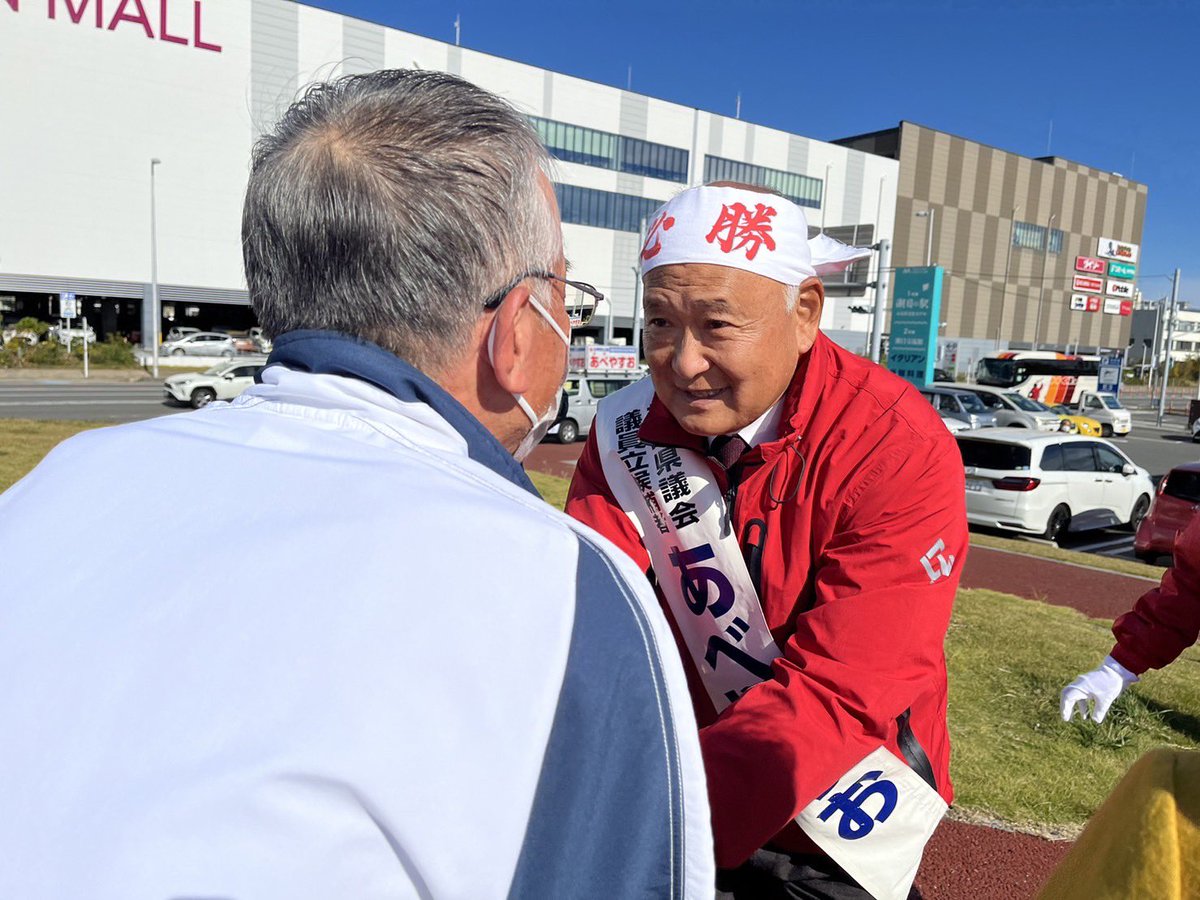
(875, 821)
(671, 497)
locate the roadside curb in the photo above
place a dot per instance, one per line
(1062, 562)
(109, 376)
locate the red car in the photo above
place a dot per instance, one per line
(1177, 502)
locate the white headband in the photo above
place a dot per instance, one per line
(761, 233)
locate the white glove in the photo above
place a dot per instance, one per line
(1102, 686)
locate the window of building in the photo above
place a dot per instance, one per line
(589, 147)
(1033, 237)
(603, 209)
(639, 157)
(799, 189)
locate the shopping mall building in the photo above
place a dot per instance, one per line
(96, 89)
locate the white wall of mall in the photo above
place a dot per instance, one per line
(97, 104)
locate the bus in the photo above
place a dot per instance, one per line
(1042, 375)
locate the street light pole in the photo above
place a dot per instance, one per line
(155, 315)
(825, 198)
(1012, 229)
(928, 214)
(1037, 325)
(637, 299)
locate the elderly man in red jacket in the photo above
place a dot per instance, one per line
(801, 512)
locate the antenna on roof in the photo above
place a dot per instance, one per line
(457, 28)
(738, 110)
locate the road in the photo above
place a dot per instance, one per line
(97, 402)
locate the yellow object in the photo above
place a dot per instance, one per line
(1143, 843)
(1083, 425)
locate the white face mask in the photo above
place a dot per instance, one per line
(539, 424)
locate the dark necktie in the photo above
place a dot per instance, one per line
(727, 450)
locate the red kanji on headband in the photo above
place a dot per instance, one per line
(737, 227)
(663, 221)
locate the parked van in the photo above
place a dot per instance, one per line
(584, 390)
(1049, 484)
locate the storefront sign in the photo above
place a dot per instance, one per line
(1087, 283)
(1093, 304)
(1121, 270)
(1110, 248)
(1089, 264)
(1112, 306)
(1127, 307)
(1120, 288)
(1079, 302)
(603, 358)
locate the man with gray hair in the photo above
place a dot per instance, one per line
(409, 677)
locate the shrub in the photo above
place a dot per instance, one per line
(35, 326)
(114, 352)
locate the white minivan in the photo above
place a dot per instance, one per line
(1049, 484)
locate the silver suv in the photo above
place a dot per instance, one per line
(583, 393)
(954, 403)
(1010, 408)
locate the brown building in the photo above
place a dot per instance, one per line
(991, 211)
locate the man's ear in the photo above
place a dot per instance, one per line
(512, 350)
(807, 312)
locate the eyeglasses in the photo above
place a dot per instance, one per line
(580, 307)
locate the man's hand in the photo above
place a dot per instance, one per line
(1101, 686)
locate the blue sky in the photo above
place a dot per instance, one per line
(1117, 79)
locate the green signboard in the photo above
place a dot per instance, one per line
(1121, 270)
(916, 304)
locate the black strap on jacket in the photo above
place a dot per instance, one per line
(913, 754)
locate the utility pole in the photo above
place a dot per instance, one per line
(1166, 377)
(881, 289)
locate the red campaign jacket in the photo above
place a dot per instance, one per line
(1165, 621)
(862, 484)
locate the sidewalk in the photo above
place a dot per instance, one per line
(102, 376)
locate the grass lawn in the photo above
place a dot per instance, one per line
(23, 443)
(1014, 759)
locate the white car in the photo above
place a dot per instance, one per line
(221, 382)
(954, 426)
(71, 333)
(1049, 484)
(202, 343)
